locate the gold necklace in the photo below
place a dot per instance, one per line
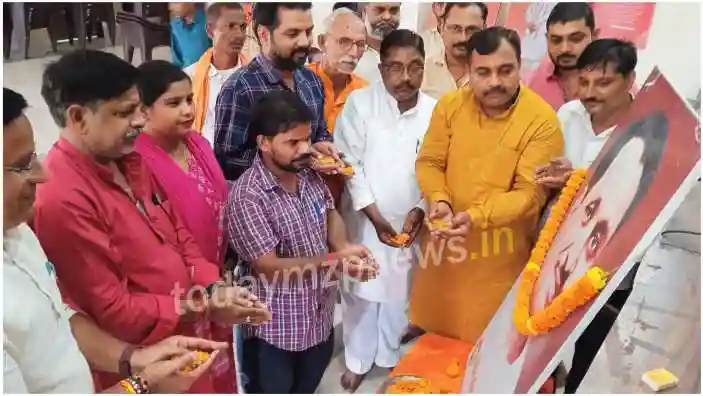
(181, 156)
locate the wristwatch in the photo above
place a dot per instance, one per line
(125, 366)
(446, 203)
(210, 289)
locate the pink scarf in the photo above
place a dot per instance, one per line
(189, 202)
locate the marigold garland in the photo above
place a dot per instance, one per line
(576, 295)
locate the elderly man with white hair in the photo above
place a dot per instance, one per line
(343, 43)
(380, 19)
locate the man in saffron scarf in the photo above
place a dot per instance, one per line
(227, 26)
(476, 168)
(342, 46)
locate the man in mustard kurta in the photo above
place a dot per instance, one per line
(476, 169)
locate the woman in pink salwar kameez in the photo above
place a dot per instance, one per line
(185, 166)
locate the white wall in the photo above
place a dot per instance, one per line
(675, 46)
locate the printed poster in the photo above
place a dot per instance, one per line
(641, 176)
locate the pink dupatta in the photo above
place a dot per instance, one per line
(185, 194)
(200, 209)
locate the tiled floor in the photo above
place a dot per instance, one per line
(24, 76)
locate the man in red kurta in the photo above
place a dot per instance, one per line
(121, 254)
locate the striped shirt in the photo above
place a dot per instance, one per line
(234, 148)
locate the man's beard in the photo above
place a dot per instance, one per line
(290, 62)
(558, 67)
(381, 29)
(296, 165)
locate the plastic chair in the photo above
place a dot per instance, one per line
(138, 32)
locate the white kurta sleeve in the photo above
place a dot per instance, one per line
(350, 138)
(13, 381)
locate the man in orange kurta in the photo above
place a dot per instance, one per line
(342, 46)
(476, 169)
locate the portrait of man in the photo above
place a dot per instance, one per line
(623, 205)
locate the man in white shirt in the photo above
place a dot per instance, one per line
(380, 20)
(447, 68)
(227, 26)
(607, 75)
(45, 343)
(380, 130)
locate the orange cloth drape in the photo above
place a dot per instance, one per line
(201, 87)
(430, 357)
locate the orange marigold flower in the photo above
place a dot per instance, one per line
(574, 296)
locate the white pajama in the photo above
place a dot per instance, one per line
(382, 145)
(372, 332)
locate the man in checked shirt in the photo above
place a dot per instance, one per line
(282, 223)
(284, 31)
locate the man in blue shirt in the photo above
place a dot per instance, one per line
(189, 39)
(284, 31)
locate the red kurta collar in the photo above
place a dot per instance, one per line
(131, 165)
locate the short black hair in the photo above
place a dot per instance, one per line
(155, 77)
(215, 9)
(351, 6)
(266, 14)
(653, 129)
(487, 41)
(599, 53)
(277, 112)
(13, 105)
(86, 78)
(570, 12)
(482, 6)
(402, 38)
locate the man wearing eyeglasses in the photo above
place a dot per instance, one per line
(447, 69)
(47, 346)
(342, 44)
(381, 130)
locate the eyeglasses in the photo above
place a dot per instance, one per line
(345, 43)
(397, 69)
(457, 29)
(32, 166)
